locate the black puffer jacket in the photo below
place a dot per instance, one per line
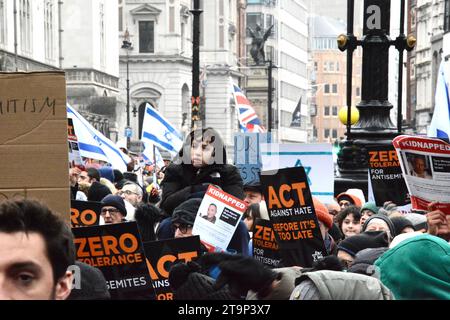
(183, 181)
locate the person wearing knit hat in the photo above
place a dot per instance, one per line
(325, 224)
(380, 222)
(108, 173)
(368, 210)
(183, 217)
(345, 199)
(419, 221)
(402, 225)
(364, 260)
(113, 210)
(92, 285)
(417, 268)
(348, 248)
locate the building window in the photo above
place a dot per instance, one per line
(326, 133)
(48, 29)
(335, 111)
(270, 21)
(412, 68)
(146, 37)
(335, 88)
(334, 133)
(294, 65)
(3, 21)
(315, 132)
(254, 19)
(102, 35)
(325, 66)
(326, 111)
(291, 92)
(326, 88)
(120, 15)
(358, 91)
(331, 66)
(221, 37)
(447, 16)
(315, 66)
(172, 19)
(337, 66)
(25, 25)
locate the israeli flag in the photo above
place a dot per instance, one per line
(440, 123)
(93, 144)
(157, 130)
(148, 155)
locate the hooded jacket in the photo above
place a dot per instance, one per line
(338, 285)
(417, 268)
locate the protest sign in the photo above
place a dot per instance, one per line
(116, 249)
(218, 218)
(33, 138)
(265, 246)
(317, 159)
(161, 255)
(386, 176)
(85, 213)
(247, 154)
(293, 216)
(74, 148)
(425, 165)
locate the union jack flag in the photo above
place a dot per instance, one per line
(248, 119)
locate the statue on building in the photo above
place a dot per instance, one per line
(258, 39)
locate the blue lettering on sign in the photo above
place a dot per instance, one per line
(307, 170)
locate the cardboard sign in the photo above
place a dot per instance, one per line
(85, 213)
(386, 176)
(74, 148)
(116, 249)
(247, 154)
(161, 255)
(33, 138)
(425, 165)
(217, 218)
(293, 217)
(265, 246)
(317, 159)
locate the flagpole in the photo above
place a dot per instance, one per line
(155, 178)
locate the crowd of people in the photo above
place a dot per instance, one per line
(375, 253)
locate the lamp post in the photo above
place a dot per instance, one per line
(127, 46)
(195, 99)
(374, 127)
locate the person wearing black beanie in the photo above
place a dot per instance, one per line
(183, 217)
(349, 247)
(380, 222)
(402, 225)
(113, 210)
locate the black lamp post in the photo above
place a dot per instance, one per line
(127, 46)
(374, 126)
(195, 99)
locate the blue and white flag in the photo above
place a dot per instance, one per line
(157, 130)
(93, 144)
(440, 123)
(147, 154)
